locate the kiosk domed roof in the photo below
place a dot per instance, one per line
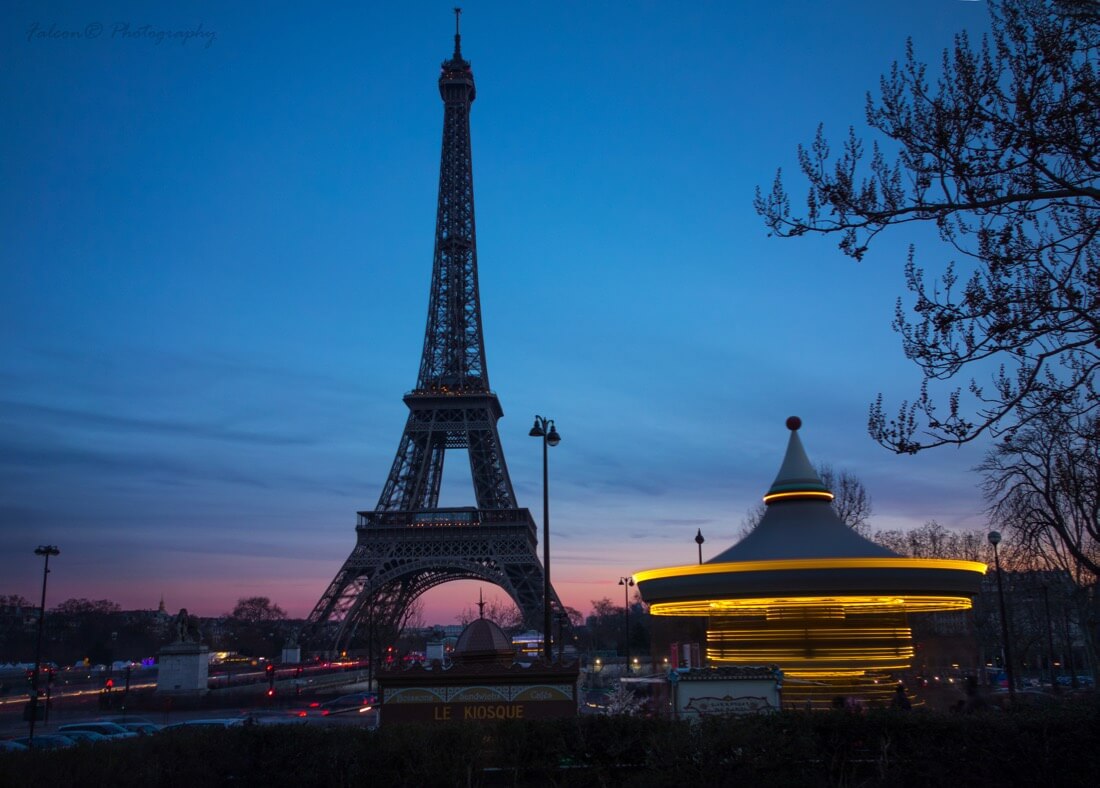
(483, 641)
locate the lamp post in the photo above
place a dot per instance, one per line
(699, 541)
(995, 539)
(370, 641)
(562, 616)
(544, 428)
(46, 551)
(1050, 639)
(626, 583)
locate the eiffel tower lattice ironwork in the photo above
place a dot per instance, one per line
(409, 544)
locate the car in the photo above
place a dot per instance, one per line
(112, 730)
(141, 728)
(46, 741)
(139, 725)
(124, 718)
(86, 737)
(358, 702)
(215, 722)
(10, 745)
(293, 718)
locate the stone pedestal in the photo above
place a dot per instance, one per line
(183, 669)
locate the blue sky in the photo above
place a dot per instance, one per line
(217, 250)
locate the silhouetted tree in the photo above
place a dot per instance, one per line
(1043, 485)
(86, 607)
(85, 629)
(256, 610)
(1043, 482)
(254, 628)
(932, 540)
(16, 633)
(605, 625)
(503, 613)
(1002, 155)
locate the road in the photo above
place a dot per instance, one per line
(80, 704)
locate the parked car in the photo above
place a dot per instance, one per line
(218, 722)
(141, 728)
(292, 718)
(46, 741)
(89, 737)
(111, 730)
(139, 725)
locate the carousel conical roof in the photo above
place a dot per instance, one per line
(799, 521)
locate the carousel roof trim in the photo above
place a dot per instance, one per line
(810, 564)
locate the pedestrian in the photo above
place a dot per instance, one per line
(901, 700)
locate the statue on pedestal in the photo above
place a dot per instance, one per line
(187, 628)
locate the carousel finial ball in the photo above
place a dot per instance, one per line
(793, 423)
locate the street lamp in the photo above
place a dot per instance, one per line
(626, 583)
(1050, 639)
(995, 539)
(699, 541)
(544, 428)
(45, 551)
(370, 639)
(562, 616)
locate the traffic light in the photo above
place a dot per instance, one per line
(270, 671)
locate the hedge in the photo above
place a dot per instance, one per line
(1054, 745)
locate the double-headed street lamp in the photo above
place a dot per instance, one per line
(44, 550)
(626, 583)
(544, 428)
(995, 539)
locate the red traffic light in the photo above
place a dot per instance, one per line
(110, 683)
(271, 693)
(270, 669)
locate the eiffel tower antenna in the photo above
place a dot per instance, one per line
(458, 36)
(408, 543)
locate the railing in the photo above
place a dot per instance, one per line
(450, 518)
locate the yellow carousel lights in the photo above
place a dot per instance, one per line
(806, 592)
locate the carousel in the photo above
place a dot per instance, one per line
(807, 593)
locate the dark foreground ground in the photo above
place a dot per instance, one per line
(1049, 746)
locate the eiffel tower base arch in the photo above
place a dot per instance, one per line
(401, 555)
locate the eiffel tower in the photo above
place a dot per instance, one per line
(409, 544)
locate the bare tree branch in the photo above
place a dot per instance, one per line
(1002, 155)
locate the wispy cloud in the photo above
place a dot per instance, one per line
(19, 412)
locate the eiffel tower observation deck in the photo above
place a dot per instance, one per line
(408, 543)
